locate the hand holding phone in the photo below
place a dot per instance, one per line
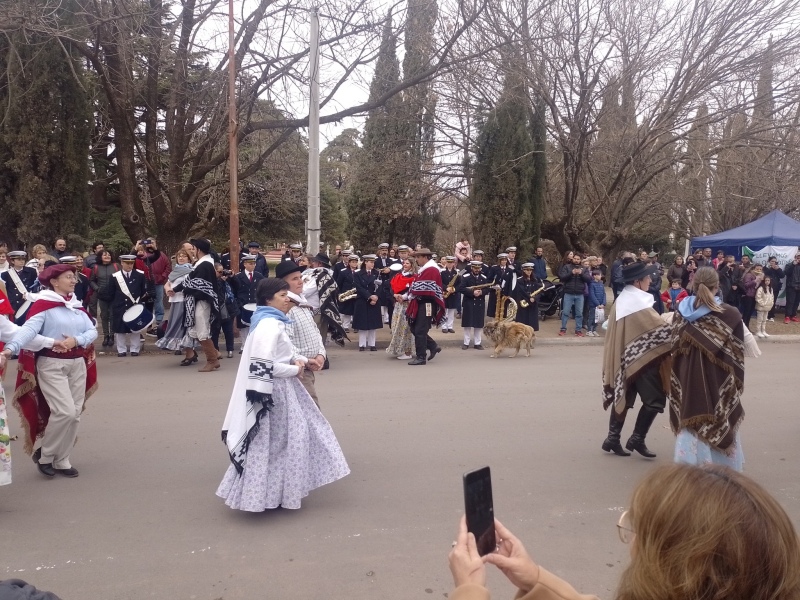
(479, 508)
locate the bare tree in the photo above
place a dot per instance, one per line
(162, 76)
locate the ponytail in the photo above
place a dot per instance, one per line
(705, 281)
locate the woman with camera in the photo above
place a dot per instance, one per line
(694, 533)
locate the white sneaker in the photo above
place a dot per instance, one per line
(759, 334)
(404, 357)
(771, 320)
(765, 334)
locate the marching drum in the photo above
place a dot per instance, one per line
(137, 318)
(247, 313)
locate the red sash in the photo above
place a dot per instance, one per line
(28, 398)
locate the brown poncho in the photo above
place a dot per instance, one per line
(708, 376)
(633, 343)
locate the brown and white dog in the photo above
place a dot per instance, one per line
(507, 334)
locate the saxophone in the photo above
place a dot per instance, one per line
(525, 303)
(451, 287)
(348, 295)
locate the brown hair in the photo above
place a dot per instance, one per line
(709, 532)
(705, 281)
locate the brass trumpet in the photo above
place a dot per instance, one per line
(348, 295)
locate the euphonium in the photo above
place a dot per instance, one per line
(348, 295)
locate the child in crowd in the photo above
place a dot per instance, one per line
(673, 294)
(597, 299)
(765, 299)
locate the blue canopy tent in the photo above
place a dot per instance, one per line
(773, 229)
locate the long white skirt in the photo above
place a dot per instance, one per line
(294, 452)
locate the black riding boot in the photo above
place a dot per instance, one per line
(644, 420)
(615, 423)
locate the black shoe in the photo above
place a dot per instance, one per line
(611, 443)
(37, 455)
(178, 353)
(362, 348)
(122, 354)
(644, 420)
(478, 347)
(465, 347)
(417, 361)
(355, 330)
(47, 469)
(373, 349)
(71, 472)
(134, 354)
(434, 352)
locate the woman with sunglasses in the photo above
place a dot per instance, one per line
(694, 533)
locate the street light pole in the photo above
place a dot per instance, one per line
(233, 146)
(313, 225)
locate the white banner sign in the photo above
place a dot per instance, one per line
(784, 254)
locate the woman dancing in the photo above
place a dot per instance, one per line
(280, 445)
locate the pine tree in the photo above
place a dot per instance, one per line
(44, 143)
(502, 196)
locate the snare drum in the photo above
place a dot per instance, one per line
(137, 318)
(247, 313)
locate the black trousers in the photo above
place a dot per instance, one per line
(648, 387)
(792, 300)
(225, 327)
(422, 341)
(748, 308)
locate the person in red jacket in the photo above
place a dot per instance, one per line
(159, 267)
(673, 294)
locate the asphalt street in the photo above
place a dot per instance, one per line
(142, 520)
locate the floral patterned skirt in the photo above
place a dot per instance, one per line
(5, 442)
(294, 452)
(691, 450)
(402, 338)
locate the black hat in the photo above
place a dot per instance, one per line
(637, 270)
(201, 244)
(322, 259)
(254, 245)
(286, 267)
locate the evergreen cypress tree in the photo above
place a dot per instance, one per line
(378, 185)
(502, 199)
(44, 143)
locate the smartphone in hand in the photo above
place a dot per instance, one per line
(479, 509)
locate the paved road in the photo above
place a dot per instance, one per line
(142, 520)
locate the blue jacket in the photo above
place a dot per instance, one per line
(597, 294)
(539, 267)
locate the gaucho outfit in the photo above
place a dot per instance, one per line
(425, 308)
(637, 344)
(706, 384)
(202, 307)
(52, 388)
(280, 445)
